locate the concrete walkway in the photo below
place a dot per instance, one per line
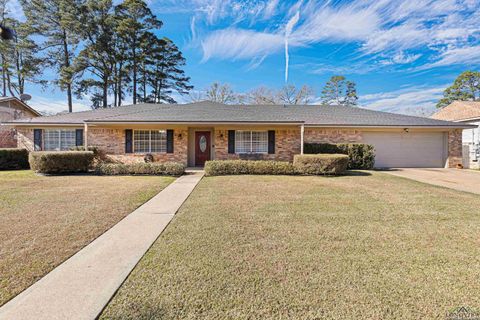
(81, 287)
(462, 180)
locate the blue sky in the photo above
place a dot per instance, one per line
(401, 54)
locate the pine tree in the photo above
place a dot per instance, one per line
(465, 88)
(57, 21)
(338, 91)
(97, 60)
(134, 20)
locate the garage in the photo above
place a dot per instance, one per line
(408, 149)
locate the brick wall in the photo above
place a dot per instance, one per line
(7, 138)
(112, 142)
(312, 135)
(454, 148)
(25, 138)
(287, 144)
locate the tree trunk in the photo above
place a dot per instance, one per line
(105, 92)
(120, 75)
(134, 58)
(66, 55)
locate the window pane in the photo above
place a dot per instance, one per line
(51, 140)
(149, 141)
(159, 141)
(242, 141)
(141, 141)
(67, 139)
(259, 141)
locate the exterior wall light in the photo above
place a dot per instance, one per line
(406, 130)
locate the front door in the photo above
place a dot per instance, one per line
(202, 147)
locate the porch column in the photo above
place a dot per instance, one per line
(85, 135)
(302, 132)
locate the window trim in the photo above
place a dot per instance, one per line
(251, 142)
(149, 141)
(59, 130)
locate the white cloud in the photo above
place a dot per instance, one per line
(240, 44)
(386, 28)
(414, 101)
(44, 104)
(466, 55)
(288, 30)
(401, 58)
(270, 8)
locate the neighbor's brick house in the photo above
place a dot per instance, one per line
(12, 108)
(194, 133)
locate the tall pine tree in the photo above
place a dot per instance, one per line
(57, 21)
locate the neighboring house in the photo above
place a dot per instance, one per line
(465, 112)
(12, 108)
(196, 132)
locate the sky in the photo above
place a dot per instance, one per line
(401, 54)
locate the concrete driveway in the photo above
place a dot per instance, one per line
(462, 180)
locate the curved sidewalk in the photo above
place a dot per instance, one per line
(82, 286)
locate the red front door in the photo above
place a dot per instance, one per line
(202, 147)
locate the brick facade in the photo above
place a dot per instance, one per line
(319, 135)
(112, 142)
(455, 148)
(287, 144)
(25, 139)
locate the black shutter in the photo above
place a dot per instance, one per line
(79, 137)
(169, 141)
(231, 141)
(37, 139)
(128, 141)
(271, 141)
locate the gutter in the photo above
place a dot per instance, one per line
(394, 126)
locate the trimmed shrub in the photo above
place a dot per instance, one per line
(141, 168)
(57, 162)
(320, 164)
(13, 159)
(361, 156)
(232, 167)
(98, 155)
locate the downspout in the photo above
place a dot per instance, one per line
(302, 132)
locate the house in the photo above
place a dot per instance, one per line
(196, 132)
(12, 108)
(465, 112)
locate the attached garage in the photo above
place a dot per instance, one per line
(408, 149)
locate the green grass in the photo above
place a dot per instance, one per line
(351, 247)
(45, 220)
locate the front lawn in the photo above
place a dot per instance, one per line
(45, 220)
(351, 247)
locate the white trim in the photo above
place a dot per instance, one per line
(302, 134)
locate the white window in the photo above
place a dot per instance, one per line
(145, 141)
(251, 141)
(58, 139)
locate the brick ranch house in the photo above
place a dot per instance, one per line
(12, 108)
(196, 132)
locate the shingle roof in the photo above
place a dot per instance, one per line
(459, 110)
(208, 112)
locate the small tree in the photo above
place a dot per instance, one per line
(339, 91)
(289, 94)
(465, 88)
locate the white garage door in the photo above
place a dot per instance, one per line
(407, 150)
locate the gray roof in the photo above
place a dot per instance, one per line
(209, 112)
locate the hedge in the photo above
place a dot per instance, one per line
(232, 167)
(320, 164)
(60, 161)
(361, 156)
(13, 159)
(141, 168)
